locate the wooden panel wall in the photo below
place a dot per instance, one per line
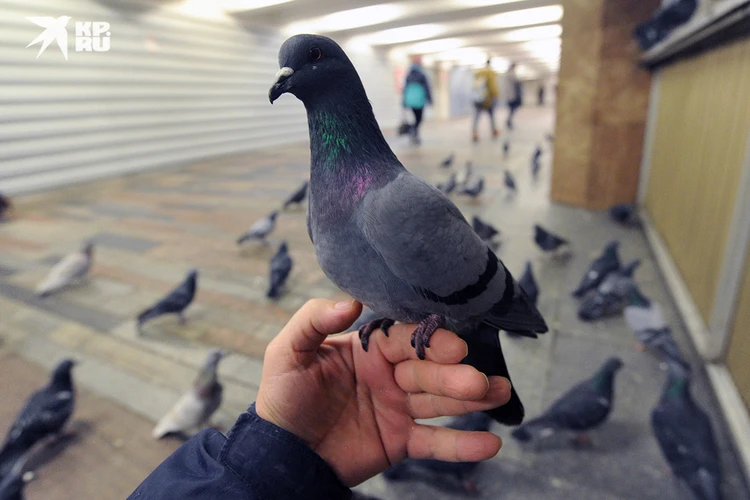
(738, 355)
(700, 142)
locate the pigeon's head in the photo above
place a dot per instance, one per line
(88, 248)
(61, 374)
(214, 356)
(283, 248)
(312, 66)
(192, 275)
(612, 365)
(273, 215)
(630, 268)
(611, 248)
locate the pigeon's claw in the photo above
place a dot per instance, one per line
(366, 330)
(420, 337)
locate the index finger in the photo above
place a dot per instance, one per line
(445, 346)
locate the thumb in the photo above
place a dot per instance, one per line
(310, 326)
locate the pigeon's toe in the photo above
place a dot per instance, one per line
(420, 337)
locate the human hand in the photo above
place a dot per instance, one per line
(356, 409)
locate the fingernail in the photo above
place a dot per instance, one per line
(467, 349)
(343, 305)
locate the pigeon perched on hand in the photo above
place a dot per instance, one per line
(449, 476)
(510, 181)
(606, 263)
(484, 229)
(297, 197)
(610, 296)
(281, 266)
(584, 407)
(449, 185)
(474, 190)
(646, 320)
(260, 229)
(528, 284)
(73, 267)
(624, 214)
(464, 175)
(175, 302)
(448, 161)
(45, 414)
(548, 241)
(197, 405)
(388, 239)
(686, 438)
(5, 205)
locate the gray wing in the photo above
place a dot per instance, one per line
(426, 242)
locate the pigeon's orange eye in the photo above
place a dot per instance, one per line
(316, 54)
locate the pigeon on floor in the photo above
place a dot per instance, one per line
(175, 302)
(70, 269)
(645, 318)
(686, 438)
(450, 184)
(528, 284)
(281, 266)
(197, 405)
(583, 408)
(607, 262)
(12, 484)
(5, 205)
(484, 229)
(474, 190)
(624, 213)
(509, 181)
(44, 414)
(506, 148)
(260, 229)
(548, 241)
(448, 161)
(464, 175)
(535, 162)
(297, 197)
(381, 233)
(610, 297)
(455, 477)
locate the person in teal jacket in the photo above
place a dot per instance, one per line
(416, 94)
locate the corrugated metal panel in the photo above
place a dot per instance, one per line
(700, 140)
(171, 89)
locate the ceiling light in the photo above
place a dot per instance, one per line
(481, 3)
(436, 46)
(401, 35)
(537, 33)
(499, 64)
(538, 15)
(242, 5)
(347, 19)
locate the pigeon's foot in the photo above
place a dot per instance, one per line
(582, 440)
(470, 488)
(366, 330)
(640, 348)
(420, 337)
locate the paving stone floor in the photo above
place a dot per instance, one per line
(151, 229)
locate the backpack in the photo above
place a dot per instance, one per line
(415, 95)
(479, 90)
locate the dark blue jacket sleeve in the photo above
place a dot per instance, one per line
(256, 461)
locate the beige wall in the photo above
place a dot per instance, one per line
(738, 354)
(602, 103)
(700, 140)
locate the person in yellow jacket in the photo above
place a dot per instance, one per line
(485, 96)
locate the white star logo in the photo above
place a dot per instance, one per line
(55, 31)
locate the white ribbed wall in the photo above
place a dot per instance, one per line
(201, 92)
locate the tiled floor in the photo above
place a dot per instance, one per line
(151, 229)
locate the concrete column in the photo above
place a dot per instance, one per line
(602, 103)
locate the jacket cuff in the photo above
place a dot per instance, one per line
(276, 464)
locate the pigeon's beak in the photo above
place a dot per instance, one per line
(281, 84)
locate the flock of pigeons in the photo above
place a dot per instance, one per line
(681, 428)
(47, 410)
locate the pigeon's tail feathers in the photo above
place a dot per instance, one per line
(274, 292)
(10, 455)
(242, 239)
(518, 315)
(532, 428)
(397, 472)
(146, 315)
(486, 355)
